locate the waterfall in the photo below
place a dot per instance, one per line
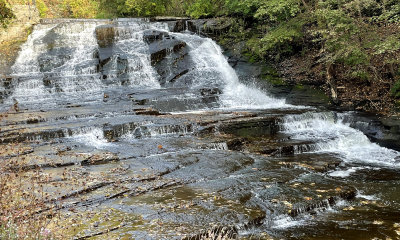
(332, 135)
(63, 63)
(59, 63)
(211, 68)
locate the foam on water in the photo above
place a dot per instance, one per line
(59, 62)
(345, 173)
(366, 197)
(94, 138)
(285, 222)
(212, 69)
(130, 41)
(76, 79)
(333, 136)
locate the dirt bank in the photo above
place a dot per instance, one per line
(15, 35)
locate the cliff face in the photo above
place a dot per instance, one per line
(16, 34)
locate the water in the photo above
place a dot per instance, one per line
(191, 146)
(212, 69)
(332, 135)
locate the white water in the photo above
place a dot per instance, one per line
(74, 77)
(74, 46)
(212, 69)
(130, 41)
(77, 80)
(94, 138)
(345, 173)
(333, 136)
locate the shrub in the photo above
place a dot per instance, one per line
(6, 13)
(42, 8)
(396, 89)
(282, 39)
(143, 8)
(246, 8)
(389, 45)
(278, 10)
(391, 12)
(204, 8)
(80, 8)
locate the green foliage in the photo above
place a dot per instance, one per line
(389, 45)
(283, 38)
(278, 10)
(370, 8)
(396, 89)
(360, 74)
(351, 55)
(204, 8)
(391, 11)
(41, 6)
(6, 13)
(269, 74)
(253, 52)
(245, 8)
(80, 8)
(143, 8)
(340, 33)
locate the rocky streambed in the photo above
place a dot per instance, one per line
(143, 130)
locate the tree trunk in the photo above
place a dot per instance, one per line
(330, 79)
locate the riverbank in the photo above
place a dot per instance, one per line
(12, 37)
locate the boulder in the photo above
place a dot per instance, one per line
(105, 35)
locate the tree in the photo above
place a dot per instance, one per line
(143, 8)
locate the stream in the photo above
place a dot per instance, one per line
(144, 132)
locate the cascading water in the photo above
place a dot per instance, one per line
(59, 63)
(330, 134)
(49, 71)
(212, 69)
(170, 112)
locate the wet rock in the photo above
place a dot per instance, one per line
(33, 120)
(316, 165)
(254, 223)
(376, 175)
(147, 111)
(210, 91)
(160, 51)
(228, 232)
(105, 35)
(112, 132)
(73, 106)
(21, 136)
(172, 80)
(141, 101)
(169, 56)
(329, 202)
(158, 56)
(210, 27)
(180, 26)
(280, 151)
(151, 36)
(252, 128)
(54, 58)
(98, 159)
(236, 144)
